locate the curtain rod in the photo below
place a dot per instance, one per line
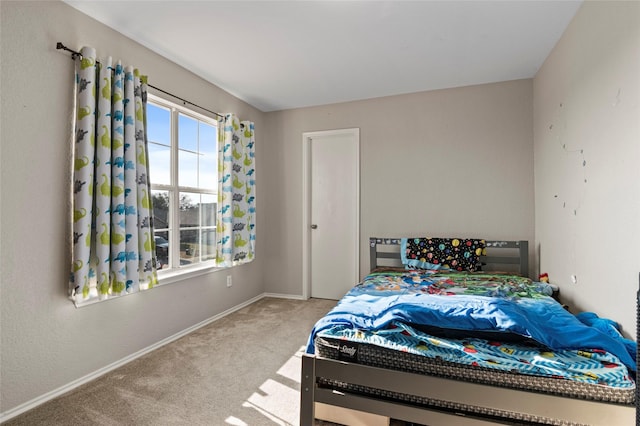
(74, 55)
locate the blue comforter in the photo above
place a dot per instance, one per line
(432, 300)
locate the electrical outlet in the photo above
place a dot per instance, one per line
(229, 281)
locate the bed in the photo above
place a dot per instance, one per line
(396, 345)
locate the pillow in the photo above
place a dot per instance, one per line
(459, 254)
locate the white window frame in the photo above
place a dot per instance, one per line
(177, 272)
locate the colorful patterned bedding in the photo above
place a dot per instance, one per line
(496, 321)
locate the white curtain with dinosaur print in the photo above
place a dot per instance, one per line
(236, 218)
(113, 244)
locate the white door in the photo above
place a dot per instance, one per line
(332, 219)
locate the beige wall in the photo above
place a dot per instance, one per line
(456, 161)
(46, 342)
(587, 154)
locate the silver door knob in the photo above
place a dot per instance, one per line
(314, 226)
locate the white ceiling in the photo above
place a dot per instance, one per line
(287, 54)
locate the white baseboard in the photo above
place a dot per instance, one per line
(284, 296)
(7, 415)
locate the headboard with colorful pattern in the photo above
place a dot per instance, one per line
(499, 253)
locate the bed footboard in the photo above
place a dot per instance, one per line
(504, 404)
(307, 391)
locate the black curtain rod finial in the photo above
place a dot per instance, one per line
(74, 54)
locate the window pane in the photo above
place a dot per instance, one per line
(189, 246)
(187, 133)
(188, 169)
(162, 249)
(161, 205)
(158, 124)
(208, 156)
(159, 164)
(208, 244)
(159, 136)
(189, 210)
(208, 208)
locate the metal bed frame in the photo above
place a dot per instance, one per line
(516, 404)
(515, 253)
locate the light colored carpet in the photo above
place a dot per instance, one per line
(243, 369)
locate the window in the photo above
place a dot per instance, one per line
(183, 151)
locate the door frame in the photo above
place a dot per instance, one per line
(306, 204)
